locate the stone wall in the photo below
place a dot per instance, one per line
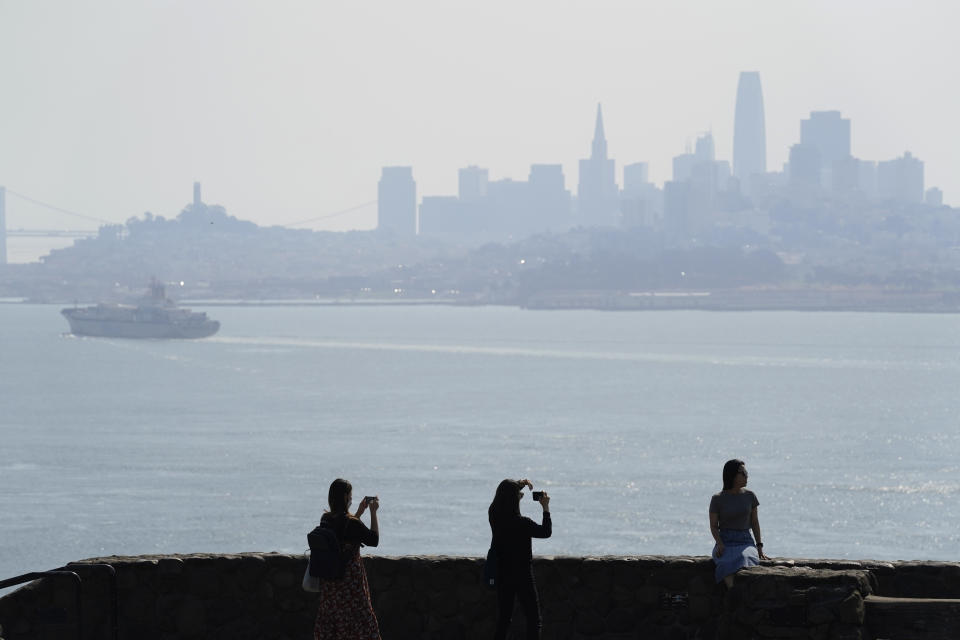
(259, 596)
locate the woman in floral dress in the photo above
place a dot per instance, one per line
(345, 611)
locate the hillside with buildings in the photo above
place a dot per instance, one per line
(826, 222)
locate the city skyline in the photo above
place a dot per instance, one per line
(288, 112)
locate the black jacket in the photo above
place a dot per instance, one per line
(350, 530)
(512, 541)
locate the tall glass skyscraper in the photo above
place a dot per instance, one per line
(749, 130)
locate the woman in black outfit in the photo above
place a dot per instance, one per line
(512, 535)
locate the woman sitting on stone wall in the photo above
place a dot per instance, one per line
(512, 545)
(733, 512)
(345, 611)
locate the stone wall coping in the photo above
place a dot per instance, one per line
(250, 595)
(812, 563)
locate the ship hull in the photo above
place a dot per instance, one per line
(140, 329)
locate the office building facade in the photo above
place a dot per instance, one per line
(829, 133)
(901, 179)
(397, 201)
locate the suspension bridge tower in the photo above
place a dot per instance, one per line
(3, 225)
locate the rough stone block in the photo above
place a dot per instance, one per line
(621, 595)
(620, 620)
(702, 584)
(204, 582)
(382, 565)
(845, 633)
(250, 573)
(221, 611)
(190, 618)
(169, 566)
(596, 575)
(240, 629)
(585, 598)
(782, 633)
(482, 629)
(648, 596)
(393, 604)
(819, 614)
(559, 612)
(137, 604)
(443, 579)
(588, 623)
(289, 604)
(851, 610)
(443, 604)
(445, 629)
(702, 607)
(283, 579)
(167, 607)
(470, 593)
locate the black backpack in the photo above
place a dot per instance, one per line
(327, 559)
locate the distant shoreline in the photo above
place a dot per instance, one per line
(834, 301)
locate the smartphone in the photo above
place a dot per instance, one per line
(369, 499)
(537, 495)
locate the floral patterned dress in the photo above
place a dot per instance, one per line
(345, 611)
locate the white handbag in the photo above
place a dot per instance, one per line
(310, 583)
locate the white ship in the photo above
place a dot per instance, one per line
(156, 317)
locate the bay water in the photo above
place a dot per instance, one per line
(848, 424)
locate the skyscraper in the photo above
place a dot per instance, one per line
(901, 178)
(397, 201)
(472, 183)
(597, 193)
(3, 225)
(635, 177)
(805, 165)
(704, 150)
(549, 198)
(749, 130)
(829, 133)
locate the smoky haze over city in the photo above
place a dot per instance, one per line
(288, 112)
(300, 152)
(617, 251)
(627, 147)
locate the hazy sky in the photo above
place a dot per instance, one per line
(287, 110)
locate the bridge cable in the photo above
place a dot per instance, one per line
(59, 209)
(329, 215)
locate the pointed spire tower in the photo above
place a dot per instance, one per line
(599, 140)
(598, 197)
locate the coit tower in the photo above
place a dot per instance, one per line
(749, 131)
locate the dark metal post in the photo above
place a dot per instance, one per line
(36, 575)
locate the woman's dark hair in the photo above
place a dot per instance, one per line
(506, 502)
(730, 469)
(337, 495)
